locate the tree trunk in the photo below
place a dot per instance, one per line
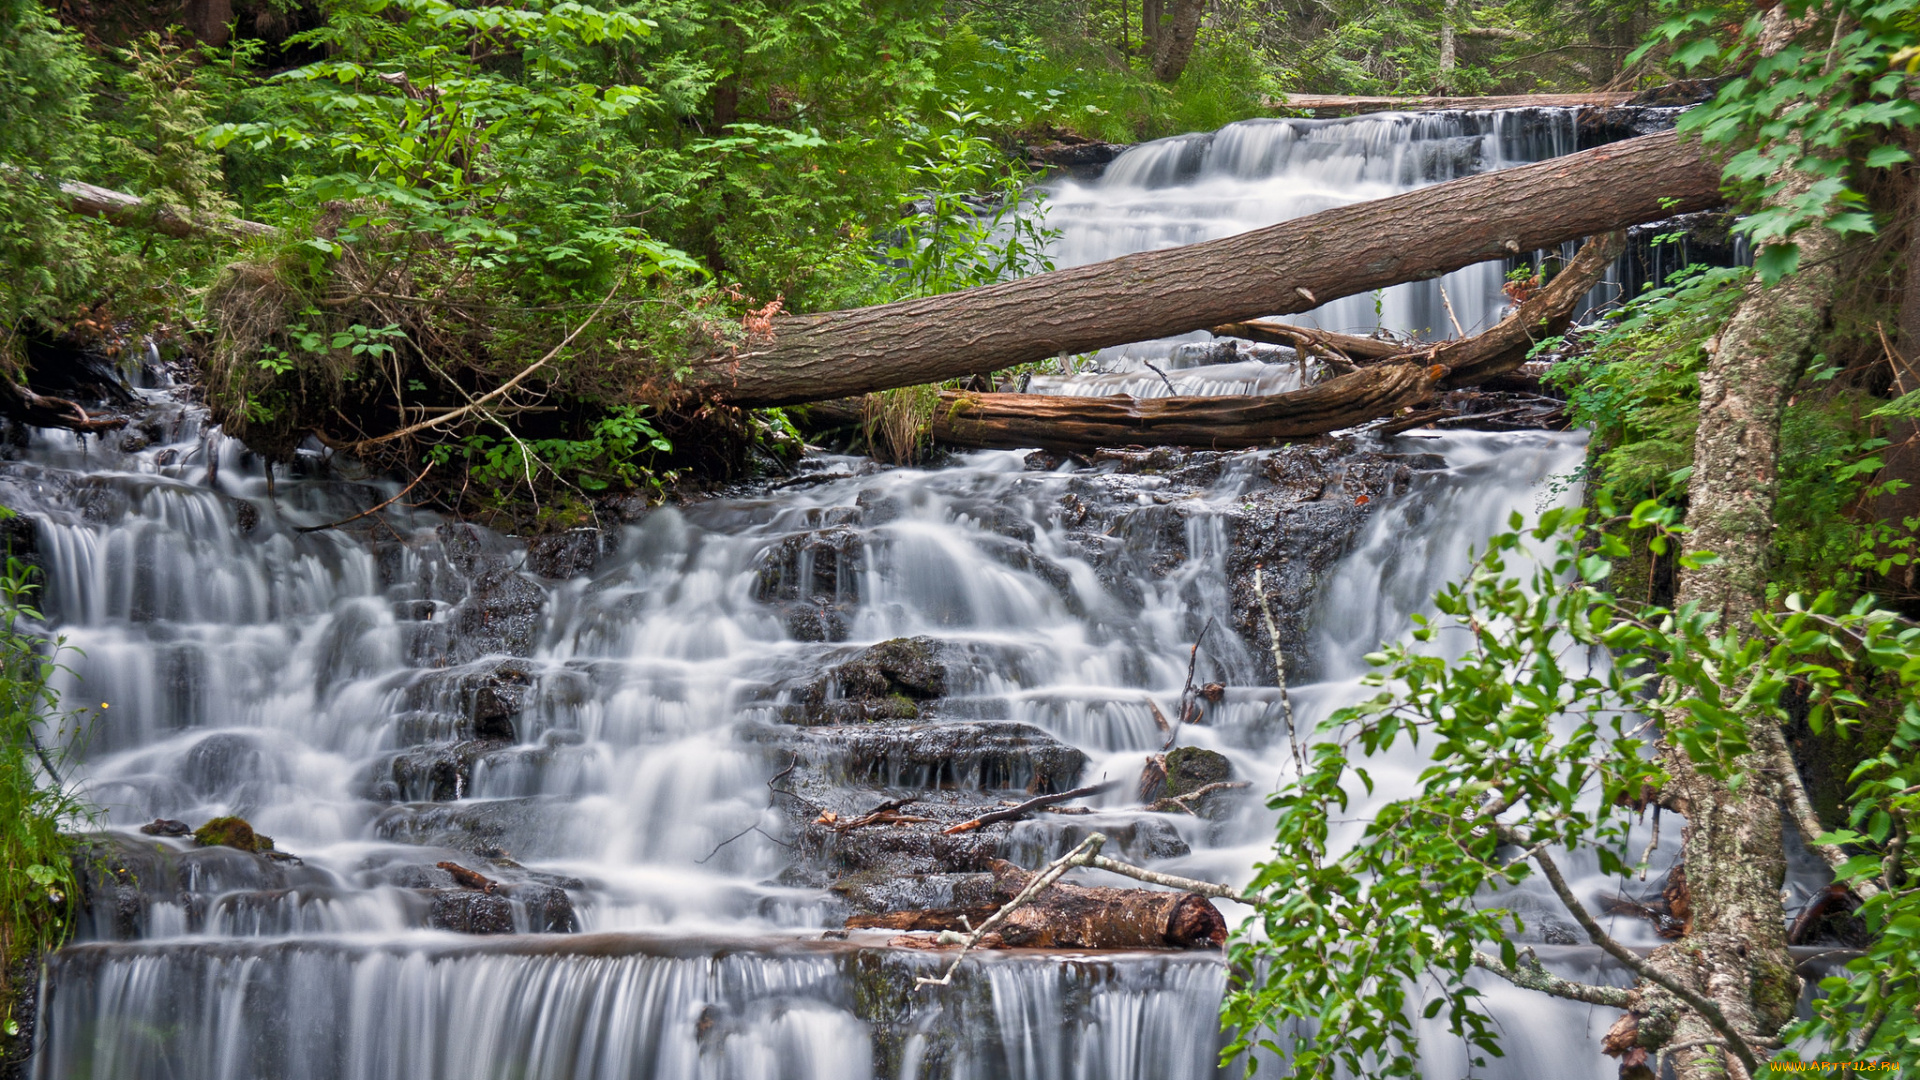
(1341, 104)
(1074, 917)
(1447, 10)
(1150, 25)
(1057, 422)
(1173, 43)
(1293, 266)
(208, 20)
(1902, 454)
(1735, 952)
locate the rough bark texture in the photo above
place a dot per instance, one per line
(1220, 423)
(1228, 422)
(1311, 340)
(1292, 266)
(1172, 42)
(1074, 917)
(1339, 103)
(1735, 951)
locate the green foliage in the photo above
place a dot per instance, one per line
(1811, 117)
(38, 889)
(617, 451)
(46, 87)
(1637, 388)
(1873, 1009)
(951, 241)
(1530, 747)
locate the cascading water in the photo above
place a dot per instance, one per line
(630, 732)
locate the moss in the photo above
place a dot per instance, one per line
(233, 832)
(1191, 768)
(1776, 991)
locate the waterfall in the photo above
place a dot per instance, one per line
(605, 724)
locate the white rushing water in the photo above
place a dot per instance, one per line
(382, 699)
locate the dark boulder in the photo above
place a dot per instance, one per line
(233, 832)
(889, 681)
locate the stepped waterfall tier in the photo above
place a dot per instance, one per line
(563, 807)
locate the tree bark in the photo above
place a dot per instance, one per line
(1293, 266)
(1221, 423)
(1173, 40)
(1230, 422)
(1074, 917)
(1735, 951)
(1342, 104)
(1447, 10)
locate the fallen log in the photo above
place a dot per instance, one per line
(1381, 390)
(120, 208)
(1221, 423)
(1072, 917)
(1341, 103)
(1283, 268)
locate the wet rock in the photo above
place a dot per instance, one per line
(876, 892)
(499, 615)
(479, 702)
(814, 578)
(124, 881)
(493, 825)
(465, 911)
(978, 756)
(888, 681)
(440, 773)
(166, 827)
(1298, 527)
(1135, 837)
(233, 832)
(569, 554)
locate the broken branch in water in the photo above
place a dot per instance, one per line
(1181, 803)
(1279, 670)
(1188, 706)
(1090, 846)
(1026, 809)
(373, 510)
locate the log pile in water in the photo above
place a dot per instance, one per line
(1070, 917)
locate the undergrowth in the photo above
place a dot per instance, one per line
(38, 888)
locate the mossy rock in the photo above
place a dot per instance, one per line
(233, 832)
(1191, 768)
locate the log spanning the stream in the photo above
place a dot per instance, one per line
(1290, 267)
(1343, 104)
(1380, 389)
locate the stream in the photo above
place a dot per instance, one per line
(634, 731)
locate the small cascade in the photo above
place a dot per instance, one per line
(637, 738)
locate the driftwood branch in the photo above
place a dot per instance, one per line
(1182, 803)
(39, 410)
(1028, 808)
(119, 208)
(1708, 1010)
(1090, 846)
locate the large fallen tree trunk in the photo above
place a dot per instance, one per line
(1073, 917)
(1339, 103)
(1379, 390)
(121, 208)
(1289, 267)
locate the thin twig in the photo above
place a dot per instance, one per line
(1014, 812)
(1179, 802)
(1186, 693)
(1451, 317)
(1279, 671)
(1708, 1011)
(372, 511)
(755, 827)
(503, 388)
